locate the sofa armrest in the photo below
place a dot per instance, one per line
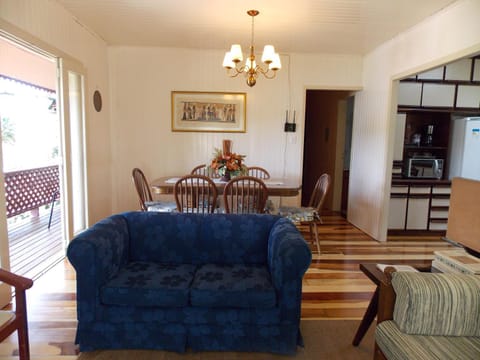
(288, 258)
(437, 304)
(97, 254)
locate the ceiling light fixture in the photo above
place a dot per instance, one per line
(270, 58)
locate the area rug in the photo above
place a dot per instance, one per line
(324, 339)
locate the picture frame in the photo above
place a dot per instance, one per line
(209, 111)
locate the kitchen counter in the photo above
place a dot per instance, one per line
(407, 181)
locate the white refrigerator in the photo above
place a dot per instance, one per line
(464, 150)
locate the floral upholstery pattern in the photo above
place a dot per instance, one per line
(238, 285)
(149, 284)
(151, 280)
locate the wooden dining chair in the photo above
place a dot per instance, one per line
(205, 170)
(145, 196)
(311, 215)
(258, 172)
(245, 194)
(195, 194)
(11, 321)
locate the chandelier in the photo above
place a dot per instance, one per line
(234, 57)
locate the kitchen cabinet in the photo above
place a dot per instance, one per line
(468, 96)
(409, 93)
(459, 70)
(438, 95)
(418, 206)
(434, 74)
(476, 70)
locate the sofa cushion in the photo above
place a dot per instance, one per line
(149, 284)
(397, 345)
(233, 285)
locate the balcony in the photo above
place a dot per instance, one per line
(35, 235)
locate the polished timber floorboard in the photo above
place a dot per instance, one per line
(334, 287)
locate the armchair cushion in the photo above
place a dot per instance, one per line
(149, 284)
(397, 345)
(233, 285)
(437, 304)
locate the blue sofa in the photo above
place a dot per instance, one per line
(174, 281)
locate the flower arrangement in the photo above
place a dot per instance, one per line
(228, 165)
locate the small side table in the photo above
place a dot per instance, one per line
(377, 276)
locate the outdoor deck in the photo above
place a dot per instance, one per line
(33, 247)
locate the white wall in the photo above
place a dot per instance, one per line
(452, 33)
(141, 83)
(44, 21)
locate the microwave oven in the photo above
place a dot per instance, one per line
(429, 168)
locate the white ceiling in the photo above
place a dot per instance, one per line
(317, 26)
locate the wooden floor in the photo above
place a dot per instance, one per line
(334, 287)
(33, 246)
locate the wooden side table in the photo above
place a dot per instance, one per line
(377, 276)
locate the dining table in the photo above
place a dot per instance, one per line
(276, 187)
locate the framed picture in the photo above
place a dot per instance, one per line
(209, 111)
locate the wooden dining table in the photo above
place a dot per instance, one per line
(276, 187)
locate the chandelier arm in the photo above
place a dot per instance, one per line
(234, 72)
(269, 74)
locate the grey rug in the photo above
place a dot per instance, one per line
(324, 339)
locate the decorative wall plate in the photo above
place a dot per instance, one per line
(97, 100)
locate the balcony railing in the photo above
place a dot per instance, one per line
(30, 189)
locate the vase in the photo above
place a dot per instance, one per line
(225, 177)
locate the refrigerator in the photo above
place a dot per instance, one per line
(464, 149)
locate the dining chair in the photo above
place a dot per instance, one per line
(195, 194)
(11, 321)
(258, 172)
(245, 194)
(205, 170)
(145, 196)
(311, 215)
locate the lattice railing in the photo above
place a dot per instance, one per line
(29, 189)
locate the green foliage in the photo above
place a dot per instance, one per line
(8, 131)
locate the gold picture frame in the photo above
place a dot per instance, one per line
(209, 111)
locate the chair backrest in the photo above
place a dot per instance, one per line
(142, 187)
(204, 170)
(258, 172)
(195, 194)
(319, 192)
(245, 194)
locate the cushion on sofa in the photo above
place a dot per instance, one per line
(149, 284)
(397, 345)
(437, 304)
(233, 285)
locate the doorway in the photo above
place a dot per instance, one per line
(31, 159)
(64, 188)
(327, 139)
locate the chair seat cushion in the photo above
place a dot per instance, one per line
(149, 284)
(6, 316)
(233, 285)
(397, 345)
(161, 206)
(298, 214)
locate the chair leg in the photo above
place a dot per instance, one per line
(54, 196)
(23, 343)
(316, 237)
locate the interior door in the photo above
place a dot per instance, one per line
(72, 84)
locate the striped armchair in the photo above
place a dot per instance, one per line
(428, 316)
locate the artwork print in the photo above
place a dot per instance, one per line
(208, 111)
